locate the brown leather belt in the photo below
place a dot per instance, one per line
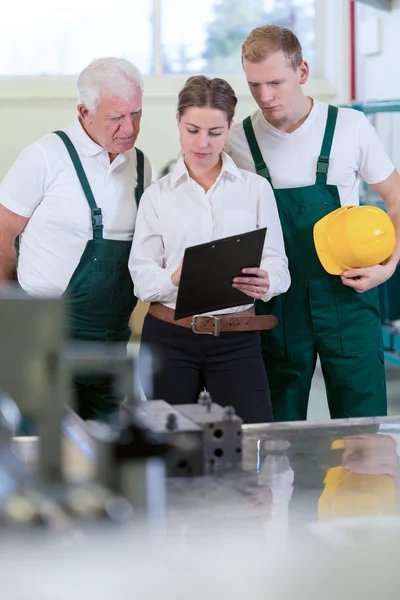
(245, 320)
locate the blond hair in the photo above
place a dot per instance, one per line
(264, 41)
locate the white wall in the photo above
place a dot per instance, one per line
(31, 108)
(378, 70)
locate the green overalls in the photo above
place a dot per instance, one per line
(100, 297)
(318, 314)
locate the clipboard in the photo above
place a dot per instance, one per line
(208, 270)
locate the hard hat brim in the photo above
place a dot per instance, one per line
(322, 243)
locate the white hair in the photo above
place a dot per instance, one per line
(114, 75)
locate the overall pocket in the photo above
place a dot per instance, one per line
(359, 319)
(111, 289)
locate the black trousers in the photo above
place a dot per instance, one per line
(230, 367)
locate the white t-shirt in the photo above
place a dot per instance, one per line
(175, 213)
(42, 184)
(356, 153)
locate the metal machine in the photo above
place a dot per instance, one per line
(129, 459)
(36, 365)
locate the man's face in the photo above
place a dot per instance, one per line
(275, 85)
(116, 124)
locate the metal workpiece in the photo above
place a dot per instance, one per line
(184, 436)
(222, 434)
(205, 399)
(205, 437)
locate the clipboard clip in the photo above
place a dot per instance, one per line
(217, 325)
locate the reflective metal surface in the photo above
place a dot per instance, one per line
(312, 514)
(292, 475)
(298, 473)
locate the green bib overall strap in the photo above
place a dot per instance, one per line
(140, 176)
(323, 159)
(99, 297)
(260, 166)
(97, 217)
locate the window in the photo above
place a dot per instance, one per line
(59, 37)
(209, 40)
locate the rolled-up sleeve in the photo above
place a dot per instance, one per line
(151, 280)
(274, 259)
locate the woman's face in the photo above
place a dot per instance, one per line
(203, 132)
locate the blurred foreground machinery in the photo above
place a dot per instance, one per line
(75, 469)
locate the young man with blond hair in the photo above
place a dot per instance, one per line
(314, 156)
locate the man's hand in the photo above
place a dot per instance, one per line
(176, 275)
(367, 278)
(375, 454)
(255, 286)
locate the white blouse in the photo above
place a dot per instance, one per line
(175, 212)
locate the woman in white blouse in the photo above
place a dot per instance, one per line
(207, 197)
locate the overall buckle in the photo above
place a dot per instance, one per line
(97, 217)
(322, 165)
(217, 326)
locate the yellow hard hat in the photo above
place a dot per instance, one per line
(353, 237)
(348, 494)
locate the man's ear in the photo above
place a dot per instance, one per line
(83, 112)
(304, 72)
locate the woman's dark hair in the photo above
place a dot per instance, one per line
(202, 91)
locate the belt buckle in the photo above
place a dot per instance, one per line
(217, 325)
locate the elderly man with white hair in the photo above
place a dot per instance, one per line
(72, 198)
